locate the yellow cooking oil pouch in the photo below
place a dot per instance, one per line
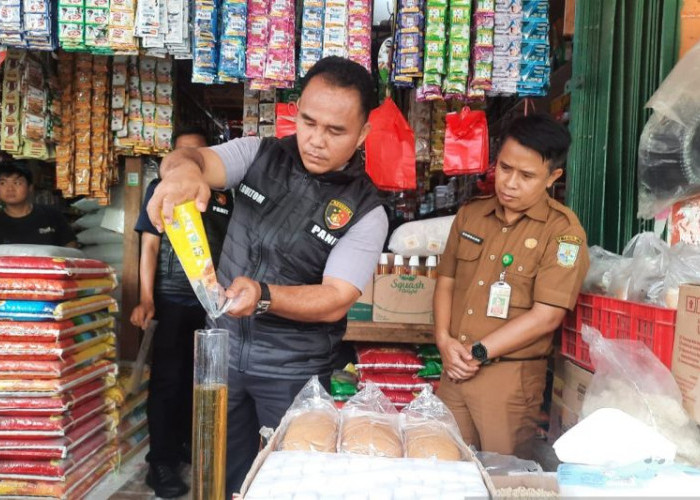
(188, 239)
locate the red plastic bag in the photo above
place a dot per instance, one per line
(390, 149)
(387, 359)
(285, 119)
(466, 143)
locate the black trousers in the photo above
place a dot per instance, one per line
(254, 402)
(169, 406)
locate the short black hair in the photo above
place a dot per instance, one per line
(347, 74)
(189, 130)
(542, 133)
(14, 168)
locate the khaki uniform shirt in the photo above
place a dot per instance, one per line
(550, 261)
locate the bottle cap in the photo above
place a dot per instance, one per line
(398, 260)
(431, 261)
(414, 261)
(384, 259)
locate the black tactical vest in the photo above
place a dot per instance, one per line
(285, 223)
(170, 278)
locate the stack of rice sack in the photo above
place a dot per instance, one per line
(397, 370)
(129, 396)
(57, 427)
(366, 450)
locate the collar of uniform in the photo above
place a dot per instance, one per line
(538, 211)
(350, 171)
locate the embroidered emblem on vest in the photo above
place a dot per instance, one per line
(337, 215)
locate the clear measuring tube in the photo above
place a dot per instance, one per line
(209, 414)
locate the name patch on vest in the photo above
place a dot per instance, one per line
(472, 237)
(321, 234)
(252, 194)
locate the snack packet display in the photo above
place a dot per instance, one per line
(370, 425)
(507, 41)
(311, 422)
(189, 240)
(430, 430)
(534, 60)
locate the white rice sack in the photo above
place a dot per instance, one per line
(99, 236)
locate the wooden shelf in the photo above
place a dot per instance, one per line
(368, 331)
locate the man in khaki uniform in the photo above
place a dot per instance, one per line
(495, 331)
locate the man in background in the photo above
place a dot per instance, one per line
(166, 295)
(23, 222)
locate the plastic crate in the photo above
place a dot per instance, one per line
(618, 319)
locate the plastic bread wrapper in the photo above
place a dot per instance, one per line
(428, 416)
(312, 421)
(189, 240)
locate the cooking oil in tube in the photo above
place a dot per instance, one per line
(188, 239)
(209, 415)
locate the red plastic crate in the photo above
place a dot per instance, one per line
(618, 319)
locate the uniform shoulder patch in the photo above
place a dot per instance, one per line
(567, 253)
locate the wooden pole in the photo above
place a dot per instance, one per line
(129, 337)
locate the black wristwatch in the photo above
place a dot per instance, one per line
(480, 353)
(264, 302)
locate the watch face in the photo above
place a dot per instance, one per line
(479, 352)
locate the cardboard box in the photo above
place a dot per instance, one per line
(561, 419)
(403, 299)
(362, 309)
(686, 349)
(274, 440)
(568, 391)
(576, 382)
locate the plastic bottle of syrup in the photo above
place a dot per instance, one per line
(383, 267)
(399, 266)
(431, 267)
(414, 268)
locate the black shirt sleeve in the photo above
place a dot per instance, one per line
(143, 223)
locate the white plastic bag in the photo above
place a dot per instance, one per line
(99, 236)
(642, 270)
(669, 147)
(631, 378)
(421, 237)
(600, 272)
(683, 267)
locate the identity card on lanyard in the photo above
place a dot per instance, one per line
(499, 297)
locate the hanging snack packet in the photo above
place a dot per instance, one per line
(187, 236)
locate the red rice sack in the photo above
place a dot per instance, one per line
(52, 331)
(387, 359)
(394, 382)
(55, 405)
(30, 369)
(399, 398)
(18, 427)
(56, 448)
(53, 470)
(50, 289)
(77, 483)
(12, 266)
(61, 349)
(54, 387)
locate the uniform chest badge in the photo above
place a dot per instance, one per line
(220, 198)
(530, 243)
(337, 215)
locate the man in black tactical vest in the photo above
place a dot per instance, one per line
(166, 294)
(303, 241)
